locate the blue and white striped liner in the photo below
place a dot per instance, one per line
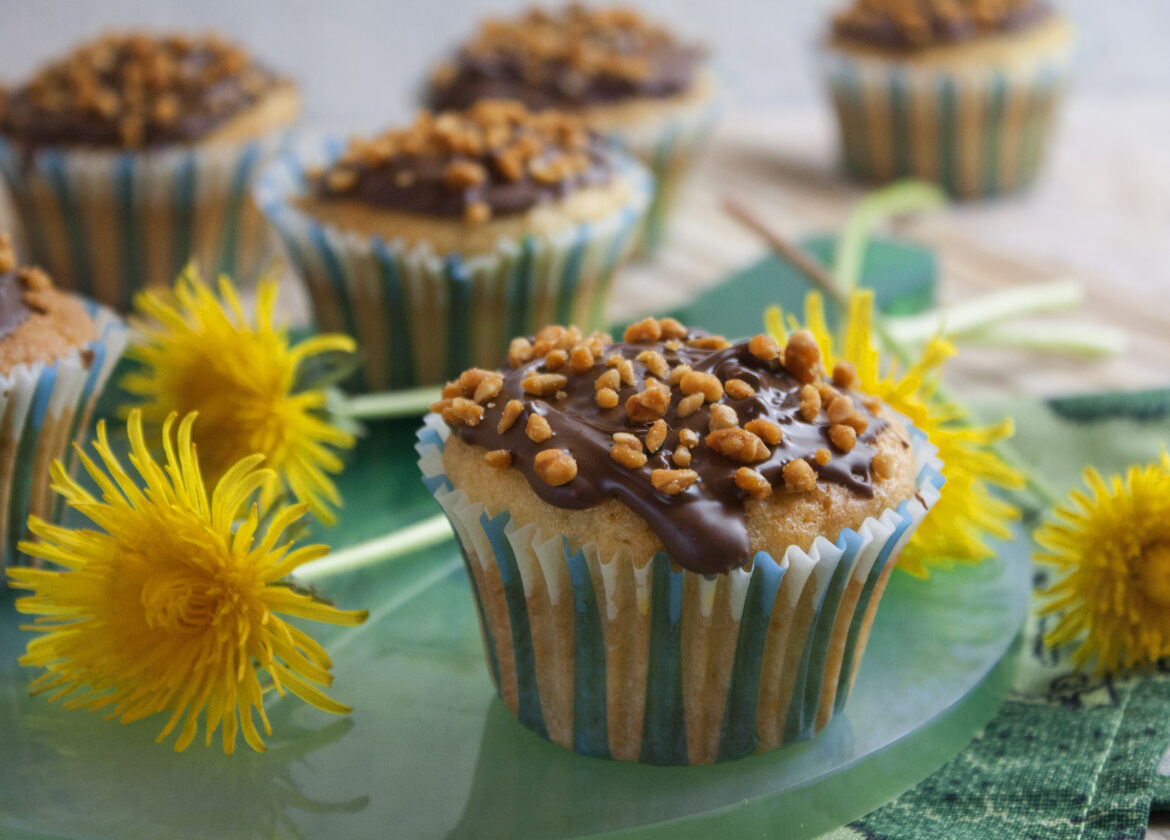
(645, 663)
(977, 131)
(421, 318)
(107, 223)
(669, 147)
(44, 408)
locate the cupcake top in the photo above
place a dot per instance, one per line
(136, 90)
(570, 58)
(495, 159)
(685, 428)
(38, 323)
(927, 23)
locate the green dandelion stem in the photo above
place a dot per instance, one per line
(424, 534)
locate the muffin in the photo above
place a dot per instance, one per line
(960, 92)
(56, 353)
(133, 155)
(629, 79)
(676, 544)
(431, 245)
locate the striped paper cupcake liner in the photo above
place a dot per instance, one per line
(977, 132)
(644, 663)
(107, 224)
(420, 318)
(44, 408)
(669, 147)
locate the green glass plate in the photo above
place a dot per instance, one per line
(429, 751)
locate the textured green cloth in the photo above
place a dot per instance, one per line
(1068, 756)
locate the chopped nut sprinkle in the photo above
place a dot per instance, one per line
(628, 456)
(656, 436)
(498, 458)
(644, 331)
(709, 342)
(688, 437)
(843, 437)
(511, 413)
(581, 359)
(737, 389)
(810, 403)
(648, 405)
(802, 357)
(799, 477)
(555, 467)
(682, 457)
(883, 466)
(738, 445)
(556, 359)
(706, 384)
(840, 409)
(822, 456)
(766, 430)
(655, 363)
(677, 373)
(538, 429)
(673, 482)
(607, 398)
(722, 417)
(858, 421)
(544, 384)
(7, 255)
(763, 347)
(671, 329)
(610, 379)
(845, 375)
(752, 483)
(689, 405)
(519, 352)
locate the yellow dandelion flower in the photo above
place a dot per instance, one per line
(173, 604)
(1111, 551)
(967, 513)
(202, 353)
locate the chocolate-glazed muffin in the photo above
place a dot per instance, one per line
(132, 155)
(630, 79)
(663, 478)
(961, 92)
(473, 223)
(56, 352)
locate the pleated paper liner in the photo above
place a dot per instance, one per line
(106, 224)
(420, 318)
(977, 132)
(642, 662)
(44, 408)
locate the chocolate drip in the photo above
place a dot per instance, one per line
(704, 528)
(13, 310)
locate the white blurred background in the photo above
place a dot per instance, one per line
(359, 61)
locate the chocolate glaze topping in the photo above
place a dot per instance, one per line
(704, 527)
(134, 91)
(909, 24)
(566, 59)
(496, 159)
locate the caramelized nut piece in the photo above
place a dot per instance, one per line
(858, 421)
(763, 347)
(607, 397)
(488, 388)
(843, 437)
(656, 436)
(688, 437)
(682, 457)
(766, 430)
(810, 403)
(709, 342)
(627, 439)
(544, 384)
(799, 477)
(610, 379)
(34, 279)
(823, 456)
(7, 256)
(671, 329)
(461, 174)
(673, 344)
(555, 466)
(802, 357)
(519, 352)
(737, 389)
(460, 412)
(646, 330)
(477, 212)
(625, 369)
(722, 417)
(556, 359)
(845, 375)
(627, 456)
(648, 405)
(511, 412)
(655, 363)
(705, 383)
(673, 482)
(752, 483)
(689, 405)
(581, 359)
(677, 373)
(840, 409)
(538, 429)
(883, 466)
(738, 445)
(499, 458)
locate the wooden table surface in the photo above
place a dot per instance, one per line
(1101, 217)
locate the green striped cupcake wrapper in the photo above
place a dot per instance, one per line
(108, 223)
(668, 147)
(44, 408)
(420, 318)
(976, 131)
(670, 667)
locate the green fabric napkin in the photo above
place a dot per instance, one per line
(1068, 755)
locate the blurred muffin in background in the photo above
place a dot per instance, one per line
(433, 244)
(133, 154)
(629, 79)
(959, 92)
